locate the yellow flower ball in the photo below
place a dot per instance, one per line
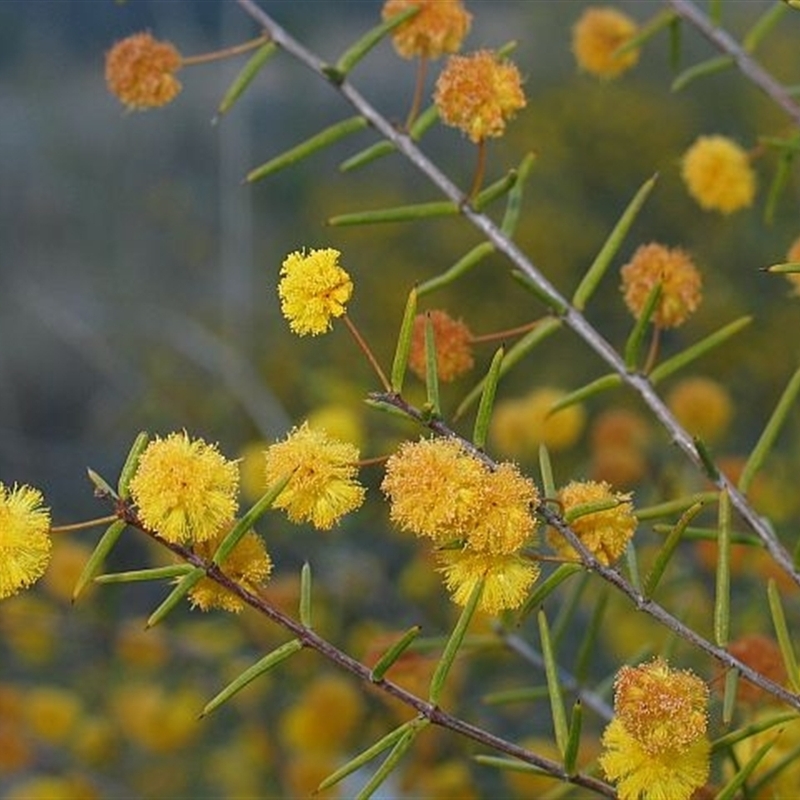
(140, 71)
(718, 175)
(703, 406)
(184, 489)
(478, 94)
(438, 27)
(596, 37)
(679, 278)
(313, 289)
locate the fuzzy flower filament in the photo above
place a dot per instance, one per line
(656, 746)
(323, 487)
(438, 27)
(478, 94)
(185, 489)
(140, 71)
(313, 290)
(24, 538)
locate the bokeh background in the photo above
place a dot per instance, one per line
(137, 292)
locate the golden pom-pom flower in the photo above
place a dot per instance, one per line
(248, 564)
(718, 175)
(185, 489)
(478, 94)
(596, 37)
(507, 578)
(681, 284)
(453, 341)
(140, 71)
(604, 533)
(656, 745)
(504, 521)
(313, 290)
(438, 27)
(323, 487)
(434, 488)
(24, 538)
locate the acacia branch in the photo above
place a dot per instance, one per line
(571, 316)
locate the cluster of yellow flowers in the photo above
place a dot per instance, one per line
(656, 745)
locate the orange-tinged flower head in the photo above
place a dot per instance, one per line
(140, 71)
(662, 708)
(479, 93)
(453, 341)
(323, 486)
(605, 533)
(24, 538)
(439, 27)
(680, 281)
(703, 406)
(718, 175)
(656, 745)
(507, 578)
(596, 37)
(313, 290)
(505, 520)
(248, 564)
(185, 489)
(763, 654)
(434, 487)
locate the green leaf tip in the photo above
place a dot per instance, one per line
(246, 76)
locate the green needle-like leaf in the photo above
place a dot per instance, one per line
(185, 585)
(635, 342)
(497, 189)
(767, 439)
(392, 760)
(131, 463)
(668, 548)
(574, 739)
(98, 556)
(556, 700)
(546, 471)
(551, 302)
(357, 51)
(547, 586)
(729, 696)
(246, 76)
(677, 506)
(101, 486)
(259, 668)
(609, 249)
(729, 740)
(785, 268)
(310, 146)
(461, 267)
(436, 208)
(454, 643)
(763, 25)
(431, 369)
(246, 522)
(675, 44)
(709, 67)
(484, 415)
(367, 755)
(393, 653)
(597, 386)
(400, 362)
(671, 365)
(305, 595)
(722, 595)
(779, 182)
(514, 202)
(167, 572)
(730, 790)
(783, 636)
(594, 507)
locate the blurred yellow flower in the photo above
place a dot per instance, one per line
(508, 578)
(248, 564)
(597, 35)
(313, 289)
(453, 340)
(656, 745)
(703, 406)
(479, 93)
(438, 27)
(184, 489)
(604, 533)
(718, 175)
(24, 538)
(51, 713)
(323, 487)
(680, 281)
(140, 71)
